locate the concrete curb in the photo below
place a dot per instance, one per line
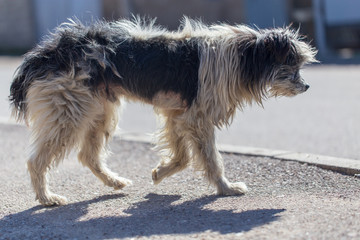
(341, 165)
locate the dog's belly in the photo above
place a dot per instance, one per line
(161, 99)
(169, 100)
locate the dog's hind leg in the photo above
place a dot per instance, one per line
(92, 152)
(208, 158)
(38, 165)
(174, 143)
(56, 110)
(53, 136)
(60, 110)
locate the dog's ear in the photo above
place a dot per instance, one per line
(271, 47)
(260, 53)
(277, 44)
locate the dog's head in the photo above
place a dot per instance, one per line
(273, 59)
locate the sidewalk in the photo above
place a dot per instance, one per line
(287, 200)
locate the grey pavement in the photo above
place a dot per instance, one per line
(325, 120)
(287, 200)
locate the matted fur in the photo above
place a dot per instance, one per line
(69, 87)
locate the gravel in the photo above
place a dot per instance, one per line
(287, 200)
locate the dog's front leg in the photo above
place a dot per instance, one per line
(173, 141)
(208, 158)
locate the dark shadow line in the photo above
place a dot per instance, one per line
(156, 215)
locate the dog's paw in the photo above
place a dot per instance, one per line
(229, 189)
(155, 176)
(119, 183)
(52, 200)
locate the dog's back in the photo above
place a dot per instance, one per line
(111, 57)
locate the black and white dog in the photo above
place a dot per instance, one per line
(69, 87)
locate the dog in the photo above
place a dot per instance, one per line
(69, 87)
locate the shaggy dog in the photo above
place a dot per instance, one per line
(69, 87)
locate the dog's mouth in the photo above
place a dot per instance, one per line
(288, 91)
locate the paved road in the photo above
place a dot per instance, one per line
(325, 120)
(287, 200)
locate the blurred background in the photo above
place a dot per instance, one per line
(332, 25)
(325, 120)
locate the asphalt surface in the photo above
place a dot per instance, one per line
(324, 120)
(287, 200)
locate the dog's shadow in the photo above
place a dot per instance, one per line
(154, 216)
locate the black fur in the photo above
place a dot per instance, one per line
(145, 66)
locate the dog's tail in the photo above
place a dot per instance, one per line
(25, 74)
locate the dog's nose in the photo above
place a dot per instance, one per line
(307, 87)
